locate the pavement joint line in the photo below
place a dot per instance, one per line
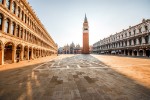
(67, 67)
(58, 62)
(52, 65)
(78, 66)
(55, 67)
(36, 68)
(128, 66)
(71, 68)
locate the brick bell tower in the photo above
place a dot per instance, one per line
(85, 49)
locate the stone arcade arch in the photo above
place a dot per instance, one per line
(9, 52)
(19, 52)
(42, 53)
(135, 52)
(148, 52)
(140, 52)
(130, 53)
(26, 53)
(1, 53)
(34, 53)
(37, 53)
(26, 31)
(30, 53)
(49, 53)
(126, 52)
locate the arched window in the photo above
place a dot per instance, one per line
(21, 33)
(7, 26)
(134, 41)
(28, 20)
(1, 21)
(17, 31)
(18, 13)
(29, 39)
(146, 28)
(14, 7)
(25, 17)
(146, 39)
(140, 30)
(27, 36)
(129, 33)
(1, 1)
(8, 4)
(24, 34)
(125, 43)
(140, 40)
(22, 15)
(134, 31)
(129, 42)
(125, 34)
(13, 28)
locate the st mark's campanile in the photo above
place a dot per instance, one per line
(85, 49)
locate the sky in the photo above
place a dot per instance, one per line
(63, 19)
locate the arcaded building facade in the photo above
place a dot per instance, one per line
(22, 35)
(134, 41)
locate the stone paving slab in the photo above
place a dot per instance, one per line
(70, 83)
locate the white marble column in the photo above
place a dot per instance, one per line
(144, 52)
(124, 44)
(137, 52)
(128, 53)
(137, 41)
(124, 52)
(133, 53)
(132, 42)
(127, 42)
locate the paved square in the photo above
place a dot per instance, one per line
(70, 77)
